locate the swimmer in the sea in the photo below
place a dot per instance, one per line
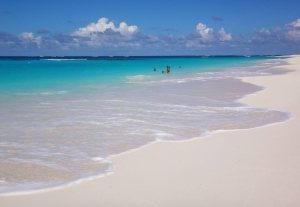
(168, 69)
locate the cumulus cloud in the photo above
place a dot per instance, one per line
(263, 36)
(264, 32)
(289, 37)
(29, 39)
(293, 33)
(103, 25)
(206, 34)
(293, 25)
(224, 36)
(104, 35)
(27, 35)
(208, 37)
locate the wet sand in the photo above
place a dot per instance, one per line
(255, 167)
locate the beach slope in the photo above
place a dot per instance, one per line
(255, 167)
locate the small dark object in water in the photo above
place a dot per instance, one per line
(168, 69)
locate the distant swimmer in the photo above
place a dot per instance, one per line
(154, 69)
(168, 69)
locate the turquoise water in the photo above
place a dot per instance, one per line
(62, 118)
(31, 75)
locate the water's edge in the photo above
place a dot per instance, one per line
(111, 169)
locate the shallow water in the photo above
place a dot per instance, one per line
(60, 120)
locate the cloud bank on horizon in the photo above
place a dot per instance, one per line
(105, 36)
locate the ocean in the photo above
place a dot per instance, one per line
(61, 118)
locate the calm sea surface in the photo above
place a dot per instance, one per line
(62, 117)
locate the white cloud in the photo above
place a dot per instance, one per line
(224, 36)
(294, 31)
(127, 30)
(287, 38)
(207, 34)
(102, 25)
(106, 36)
(293, 25)
(29, 38)
(27, 35)
(293, 35)
(263, 36)
(264, 32)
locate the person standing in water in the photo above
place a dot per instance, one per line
(168, 69)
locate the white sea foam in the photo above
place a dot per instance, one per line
(101, 160)
(61, 92)
(137, 78)
(75, 134)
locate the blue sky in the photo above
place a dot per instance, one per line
(157, 27)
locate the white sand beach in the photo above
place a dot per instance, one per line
(255, 167)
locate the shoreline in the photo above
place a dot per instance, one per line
(59, 187)
(156, 167)
(28, 188)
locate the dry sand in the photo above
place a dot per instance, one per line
(256, 167)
